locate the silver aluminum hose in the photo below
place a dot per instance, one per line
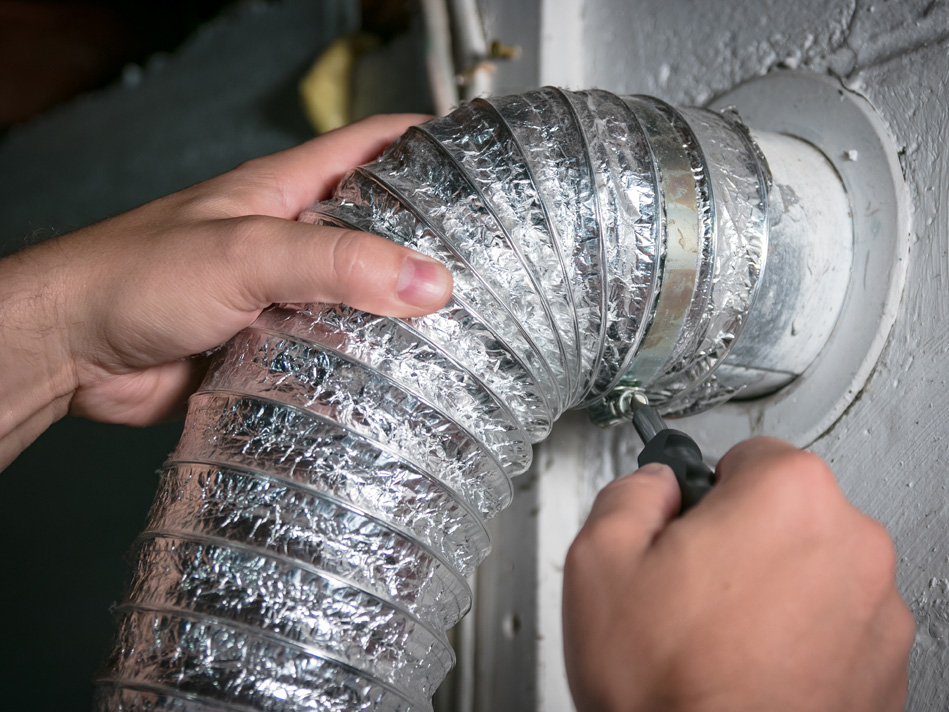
(313, 531)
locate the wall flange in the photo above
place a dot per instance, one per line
(847, 130)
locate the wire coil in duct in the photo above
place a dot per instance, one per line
(312, 533)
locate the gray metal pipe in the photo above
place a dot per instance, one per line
(314, 528)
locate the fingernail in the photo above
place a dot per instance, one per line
(423, 283)
(652, 468)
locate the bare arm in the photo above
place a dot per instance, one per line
(110, 322)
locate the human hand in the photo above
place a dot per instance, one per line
(774, 593)
(105, 322)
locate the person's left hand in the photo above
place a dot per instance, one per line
(106, 322)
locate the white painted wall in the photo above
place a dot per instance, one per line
(891, 448)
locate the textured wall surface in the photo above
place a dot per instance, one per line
(891, 448)
(230, 95)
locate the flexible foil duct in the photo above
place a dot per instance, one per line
(313, 531)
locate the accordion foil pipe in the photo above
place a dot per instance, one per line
(313, 531)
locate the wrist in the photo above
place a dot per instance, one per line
(37, 377)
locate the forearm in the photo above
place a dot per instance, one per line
(36, 376)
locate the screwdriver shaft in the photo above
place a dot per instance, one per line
(646, 419)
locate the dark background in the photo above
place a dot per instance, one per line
(104, 106)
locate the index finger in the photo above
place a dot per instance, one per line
(307, 173)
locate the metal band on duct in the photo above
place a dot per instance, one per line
(313, 530)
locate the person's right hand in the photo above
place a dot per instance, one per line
(774, 594)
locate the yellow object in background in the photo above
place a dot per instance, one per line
(326, 89)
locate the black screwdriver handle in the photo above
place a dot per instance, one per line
(681, 453)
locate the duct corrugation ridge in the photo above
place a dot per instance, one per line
(313, 530)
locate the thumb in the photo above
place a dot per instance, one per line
(288, 261)
(639, 505)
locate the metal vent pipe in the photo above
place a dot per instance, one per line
(313, 531)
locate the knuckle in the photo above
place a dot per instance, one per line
(597, 537)
(241, 244)
(904, 627)
(251, 188)
(575, 554)
(750, 451)
(255, 171)
(349, 257)
(779, 468)
(595, 531)
(581, 553)
(242, 239)
(205, 201)
(878, 545)
(794, 490)
(803, 481)
(811, 468)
